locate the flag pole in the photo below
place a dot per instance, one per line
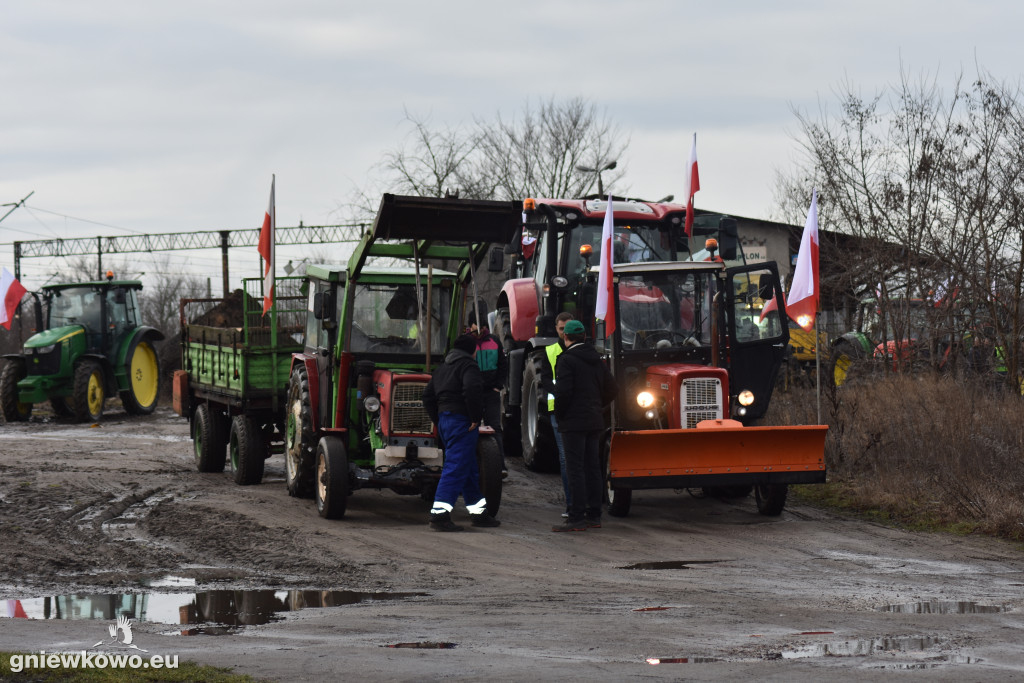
(817, 361)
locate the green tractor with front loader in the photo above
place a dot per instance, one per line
(92, 345)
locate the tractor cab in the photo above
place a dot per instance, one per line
(102, 311)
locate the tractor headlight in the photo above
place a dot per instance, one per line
(41, 350)
(645, 399)
(746, 397)
(650, 414)
(371, 404)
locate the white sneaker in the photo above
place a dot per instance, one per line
(565, 515)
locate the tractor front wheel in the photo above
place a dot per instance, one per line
(88, 394)
(540, 452)
(771, 498)
(248, 449)
(13, 409)
(144, 380)
(332, 487)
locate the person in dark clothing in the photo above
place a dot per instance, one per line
(547, 382)
(493, 362)
(453, 399)
(583, 387)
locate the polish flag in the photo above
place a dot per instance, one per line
(772, 305)
(15, 610)
(266, 248)
(692, 185)
(11, 292)
(803, 295)
(605, 309)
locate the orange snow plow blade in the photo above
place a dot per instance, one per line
(718, 452)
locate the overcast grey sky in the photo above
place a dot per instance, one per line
(172, 116)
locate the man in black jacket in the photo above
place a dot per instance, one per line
(583, 387)
(454, 400)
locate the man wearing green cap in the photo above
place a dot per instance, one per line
(583, 388)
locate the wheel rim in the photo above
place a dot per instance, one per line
(94, 394)
(532, 413)
(842, 369)
(321, 483)
(234, 452)
(197, 439)
(144, 375)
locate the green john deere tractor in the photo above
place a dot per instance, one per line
(91, 346)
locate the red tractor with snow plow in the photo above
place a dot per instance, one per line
(694, 360)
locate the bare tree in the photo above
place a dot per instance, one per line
(929, 181)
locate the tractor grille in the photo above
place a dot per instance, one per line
(43, 363)
(701, 399)
(408, 416)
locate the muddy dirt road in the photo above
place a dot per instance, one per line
(116, 514)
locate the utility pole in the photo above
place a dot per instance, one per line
(16, 204)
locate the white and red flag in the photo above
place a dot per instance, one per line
(605, 308)
(11, 292)
(772, 305)
(692, 185)
(802, 305)
(267, 244)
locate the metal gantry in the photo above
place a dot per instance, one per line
(177, 241)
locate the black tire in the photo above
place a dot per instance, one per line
(143, 368)
(300, 437)
(332, 485)
(843, 358)
(89, 391)
(771, 498)
(247, 449)
(208, 441)
(511, 429)
(540, 452)
(488, 459)
(60, 407)
(619, 499)
(13, 409)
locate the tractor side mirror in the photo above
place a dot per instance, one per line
(728, 240)
(496, 260)
(322, 306)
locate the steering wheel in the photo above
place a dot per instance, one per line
(654, 339)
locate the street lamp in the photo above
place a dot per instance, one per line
(607, 167)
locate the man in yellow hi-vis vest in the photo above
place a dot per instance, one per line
(547, 382)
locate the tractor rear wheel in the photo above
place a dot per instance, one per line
(488, 458)
(144, 380)
(332, 487)
(248, 449)
(208, 440)
(13, 409)
(540, 453)
(88, 394)
(300, 437)
(843, 357)
(771, 498)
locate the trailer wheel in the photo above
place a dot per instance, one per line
(331, 478)
(88, 394)
(248, 449)
(771, 498)
(488, 459)
(13, 409)
(540, 453)
(143, 380)
(208, 442)
(300, 439)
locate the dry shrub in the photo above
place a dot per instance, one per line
(926, 450)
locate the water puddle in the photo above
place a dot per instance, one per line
(671, 564)
(682, 660)
(942, 607)
(213, 612)
(425, 645)
(859, 648)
